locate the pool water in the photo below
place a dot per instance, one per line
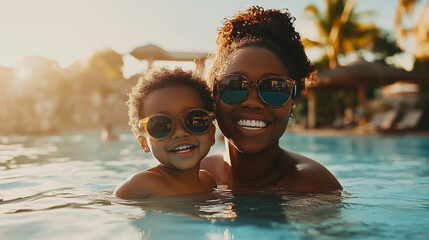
(55, 187)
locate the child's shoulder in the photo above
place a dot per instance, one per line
(145, 176)
(140, 185)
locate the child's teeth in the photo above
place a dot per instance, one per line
(181, 149)
(251, 124)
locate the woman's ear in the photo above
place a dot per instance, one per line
(292, 108)
(143, 144)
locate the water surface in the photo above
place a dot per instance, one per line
(60, 187)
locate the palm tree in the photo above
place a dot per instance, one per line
(420, 30)
(340, 29)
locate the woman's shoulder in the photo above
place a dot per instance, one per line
(218, 168)
(307, 175)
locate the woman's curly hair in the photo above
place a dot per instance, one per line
(157, 79)
(271, 29)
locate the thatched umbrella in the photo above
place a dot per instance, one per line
(149, 52)
(360, 75)
(366, 73)
(153, 53)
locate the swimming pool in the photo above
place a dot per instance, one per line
(59, 187)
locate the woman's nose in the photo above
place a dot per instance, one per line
(252, 100)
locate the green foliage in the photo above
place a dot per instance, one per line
(421, 65)
(47, 98)
(424, 105)
(301, 110)
(325, 110)
(353, 32)
(384, 45)
(332, 103)
(322, 63)
(107, 63)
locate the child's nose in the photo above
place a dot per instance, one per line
(179, 130)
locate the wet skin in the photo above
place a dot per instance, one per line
(179, 154)
(254, 157)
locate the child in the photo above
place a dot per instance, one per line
(170, 111)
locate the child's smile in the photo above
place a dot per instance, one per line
(183, 150)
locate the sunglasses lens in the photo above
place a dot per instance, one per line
(233, 89)
(197, 121)
(159, 126)
(275, 91)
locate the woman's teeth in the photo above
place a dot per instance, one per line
(251, 124)
(182, 149)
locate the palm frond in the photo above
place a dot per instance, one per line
(308, 43)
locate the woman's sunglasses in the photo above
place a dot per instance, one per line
(159, 126)
(274, 91)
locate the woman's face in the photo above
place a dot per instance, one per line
(252, 126)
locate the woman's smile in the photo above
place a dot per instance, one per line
(251, 125)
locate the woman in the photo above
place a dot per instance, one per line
(257, 74)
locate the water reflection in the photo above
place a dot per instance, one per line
(222, 214)
(28, 151)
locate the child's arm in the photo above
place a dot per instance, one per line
(138, 186)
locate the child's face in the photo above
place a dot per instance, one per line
(180, 149)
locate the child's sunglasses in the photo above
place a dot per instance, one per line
(274, 91)
(159, 126)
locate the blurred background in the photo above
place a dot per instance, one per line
(68, 65)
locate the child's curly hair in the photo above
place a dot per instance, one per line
(157, 79)
(271, 29)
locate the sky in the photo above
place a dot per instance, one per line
(72, 30)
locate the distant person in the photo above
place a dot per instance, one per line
(107, 133)
(258, 73)
(171, 114)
